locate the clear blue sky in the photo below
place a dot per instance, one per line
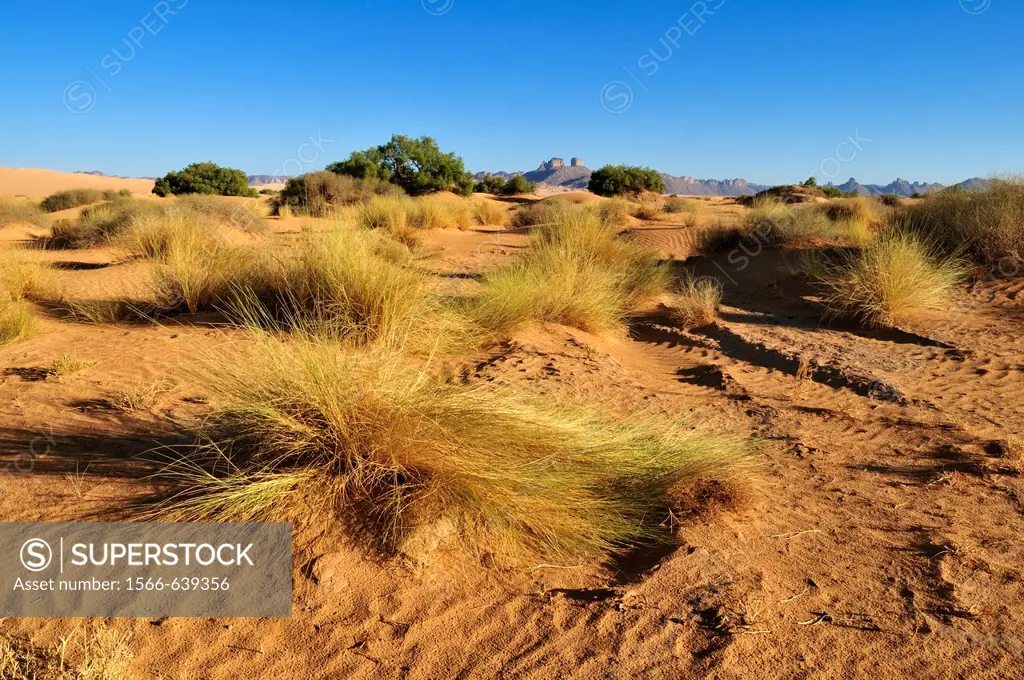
(760, 90)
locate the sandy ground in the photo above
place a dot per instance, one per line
(878, 532)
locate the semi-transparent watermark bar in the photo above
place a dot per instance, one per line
(146, 569)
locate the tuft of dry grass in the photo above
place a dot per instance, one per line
(893, 281)
(615, 212)
(649, 210)
(696, 302)
(545, 212)
(16, 321)
(141, 397)
(311, 427)
(89, 652)
(20, 212)
(489, 213)
(390, 214)
(157, 235)
(441, 212)
(577, 272)
(68, 365)
(677, 204)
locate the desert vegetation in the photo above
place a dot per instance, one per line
(418, 166)
(73, 198)
(893, 281)
(21, 212)
(205, 178)
(321, 194)
(620, 180)
(516, 185)
(696, 302)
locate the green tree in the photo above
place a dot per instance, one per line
(518, 185)
(417, 165)
(811, 182)
(617, 180)
(492, 184)
(205, 178)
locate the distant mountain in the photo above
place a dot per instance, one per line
(902, 187)
(556, 173)
(91, 172)
(480, 176)
(260, 180)
(710, 187)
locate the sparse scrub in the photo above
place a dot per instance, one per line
(547, 211)
(141, 397)
(621, 180)
(156, 235)
(697, 301)
(320, 194)
(311, 428)
(18, 212)
(890, 200)
(197, 275)
(648, 211)
(16, 321)
(893, 281)
(72, 198)
(988, 225)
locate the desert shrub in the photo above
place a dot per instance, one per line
(619, 180)
(890, 200)
(577, 272)
(696, 302)
(310, 428)
(615, 212)
(198, 275)
(862, 209)
(417, 165)
(17, 212)
(72, 198)
(269, 192)
(101, 224)
(781, 226)
(987, 225)
(205, 178)
(489, 213)
(319, 194)
(893, 281)
(235, 214)
(676, 204)
(157, 235)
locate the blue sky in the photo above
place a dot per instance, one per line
(768, 91)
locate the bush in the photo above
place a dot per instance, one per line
(577, 273)
(619, 180)
(518, 185)
(15, 212)
(890, 200)
(832, 192)
(205, 178)
(313, 429)
(648, 210)
(697, 301)
(64, 200)
(417, 165)
(988, 225)
(319, 194)
(893, 281)
(491, 184)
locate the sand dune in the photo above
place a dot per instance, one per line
(37, 183)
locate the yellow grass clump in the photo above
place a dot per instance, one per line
(893, 281)
(489, 213)
(310, 427)
(21, 212)
(577, 272)
(441, 212)
(89, 652)
(697, 301)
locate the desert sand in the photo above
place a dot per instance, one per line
(877, 532)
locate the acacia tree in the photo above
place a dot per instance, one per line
(617, 180)
(205, 178)
(417, 165)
